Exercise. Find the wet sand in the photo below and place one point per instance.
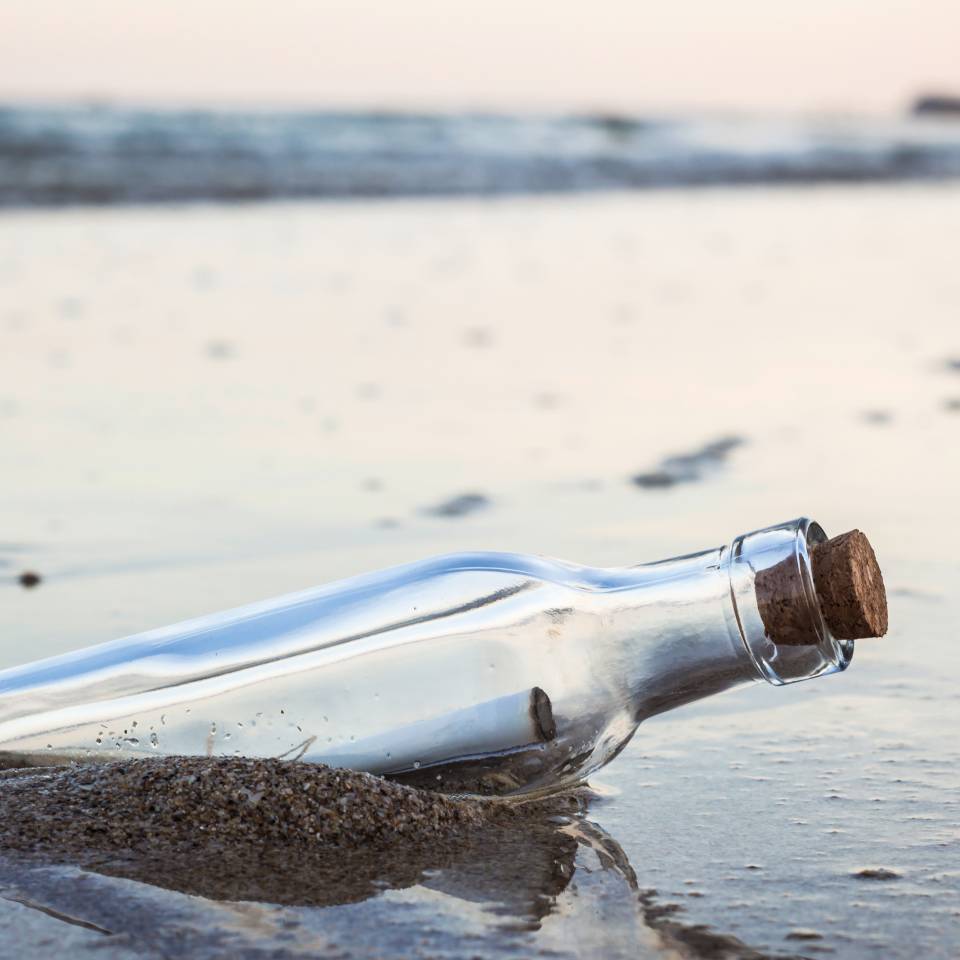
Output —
(242, 829)
(305, 836)
(204, 407)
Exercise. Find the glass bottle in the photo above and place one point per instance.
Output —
(473, 673)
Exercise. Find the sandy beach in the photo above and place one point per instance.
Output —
(203, 406)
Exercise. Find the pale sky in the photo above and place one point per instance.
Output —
(500, 54)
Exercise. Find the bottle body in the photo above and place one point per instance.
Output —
(474, 673)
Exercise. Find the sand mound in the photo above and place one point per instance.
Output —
(176, 802)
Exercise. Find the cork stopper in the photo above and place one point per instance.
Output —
(849, 589)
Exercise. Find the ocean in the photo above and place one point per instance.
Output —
(102, 154)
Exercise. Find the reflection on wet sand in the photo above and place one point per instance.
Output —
(551, 879)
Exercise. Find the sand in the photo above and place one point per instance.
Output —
(274, 831)
(178, 803)
(151, 473)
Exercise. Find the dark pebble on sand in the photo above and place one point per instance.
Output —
(459, 506)
(655, 479)
(876, 873)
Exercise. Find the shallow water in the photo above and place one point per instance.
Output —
(201, 407)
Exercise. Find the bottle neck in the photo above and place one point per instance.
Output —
(699, 625)
(775, 600)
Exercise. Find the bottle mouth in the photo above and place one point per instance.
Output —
(776, 607)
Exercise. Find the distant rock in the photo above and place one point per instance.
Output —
(937, 104)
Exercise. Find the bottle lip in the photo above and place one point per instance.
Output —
(812, 650)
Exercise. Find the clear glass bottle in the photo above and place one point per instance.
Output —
(472, 673)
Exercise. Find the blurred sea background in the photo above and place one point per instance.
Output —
(102, 154)
(245, 349)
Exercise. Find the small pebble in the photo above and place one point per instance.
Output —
(876, 873)
(459, 506)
